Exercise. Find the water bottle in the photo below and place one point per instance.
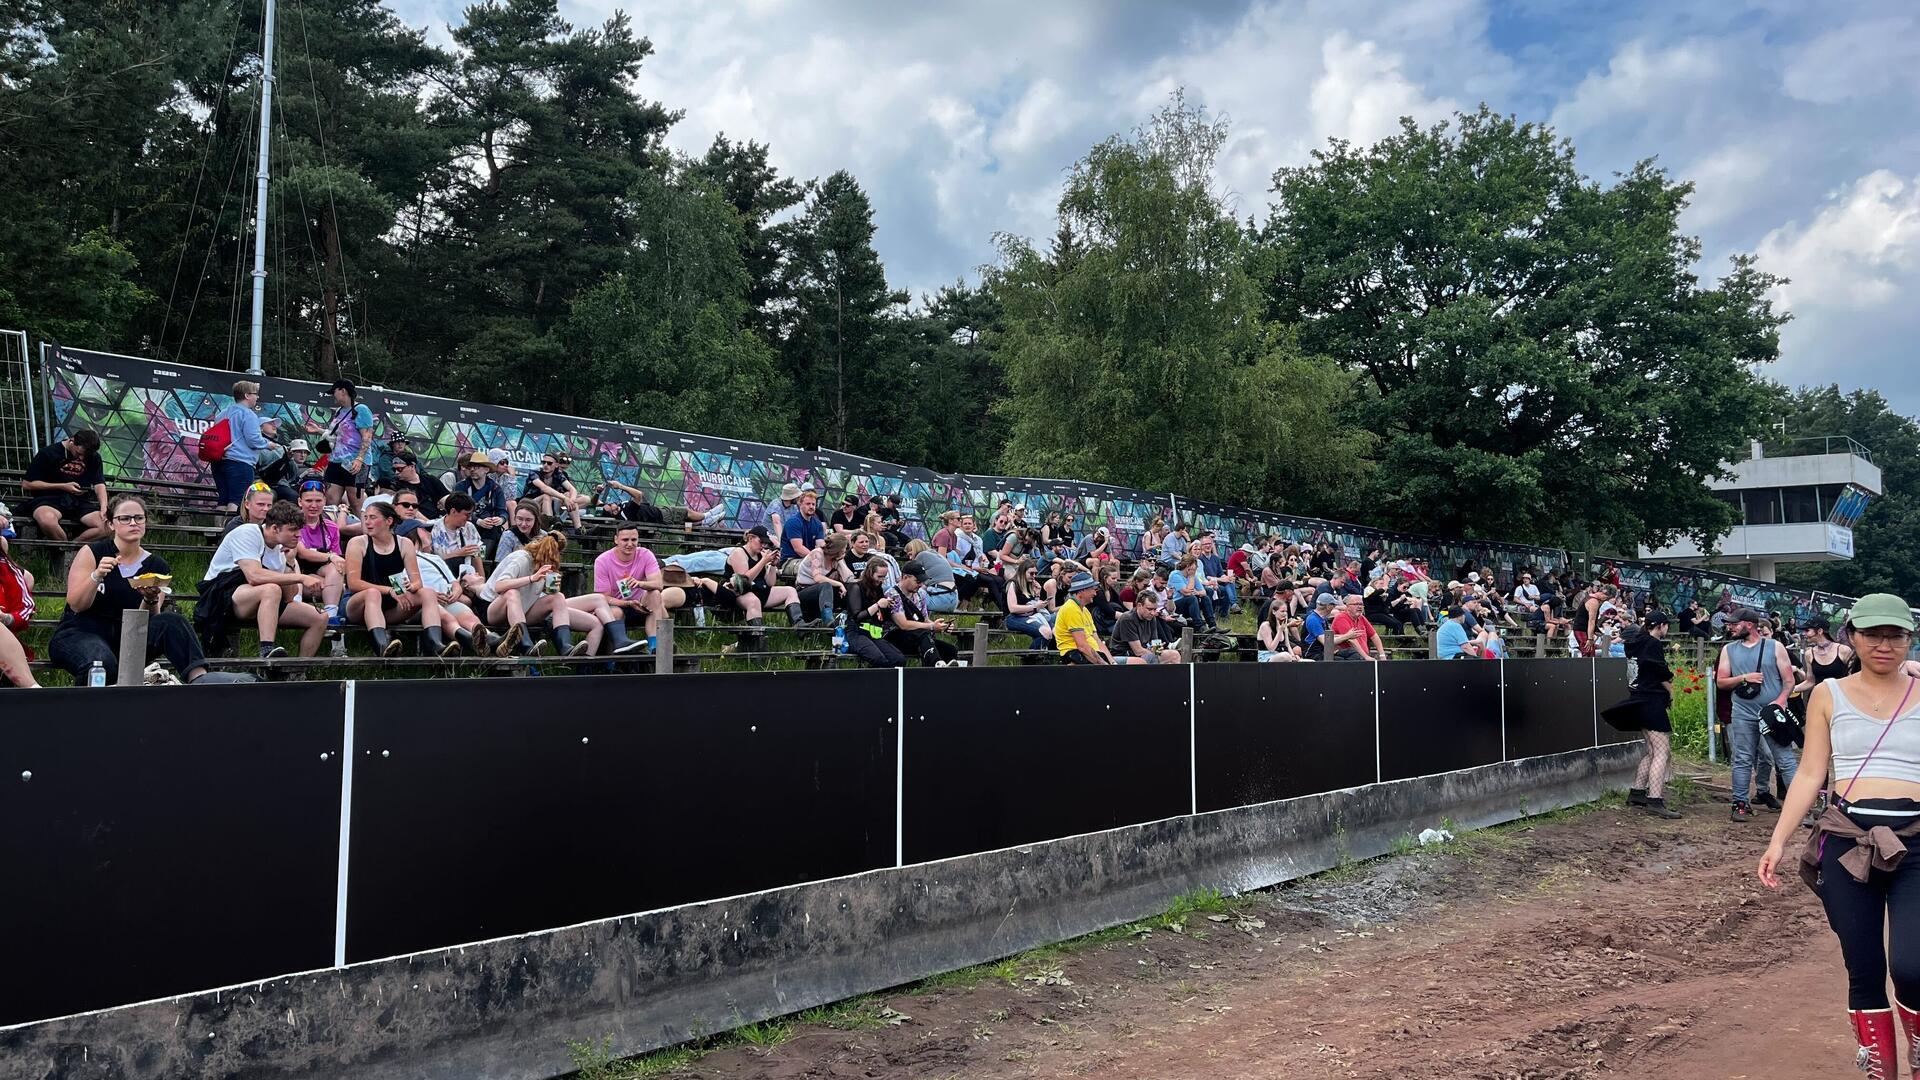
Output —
(97, 674)
(840, 635)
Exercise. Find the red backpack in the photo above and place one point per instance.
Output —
(16, 599)
(215, 440)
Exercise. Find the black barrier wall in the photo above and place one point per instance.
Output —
(155, 840)
(158, 841)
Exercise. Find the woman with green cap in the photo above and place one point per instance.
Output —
(1868, 726)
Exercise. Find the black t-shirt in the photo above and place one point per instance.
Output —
(842, 519)
(429, 491)
(634, 510)
(52, 466)
(1130, 627)
(1650, 670)
(889, 514)
(118, 596)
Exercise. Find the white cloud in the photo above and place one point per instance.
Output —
(1859, 60)
(1361, 94)
(1857, 253)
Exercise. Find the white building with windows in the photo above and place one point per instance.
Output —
(1794, 507)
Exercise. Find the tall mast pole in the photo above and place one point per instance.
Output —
(260, 195)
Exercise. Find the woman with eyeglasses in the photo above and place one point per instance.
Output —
(320, 549)
(523, 525)
(1027, 605)
(109, 578)
(250, 435)
(1860, 858)
(383, 575)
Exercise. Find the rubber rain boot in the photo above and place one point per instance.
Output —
(1873, 1030)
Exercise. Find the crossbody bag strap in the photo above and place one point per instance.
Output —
(1892, 720)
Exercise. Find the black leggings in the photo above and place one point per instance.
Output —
(1888, 903)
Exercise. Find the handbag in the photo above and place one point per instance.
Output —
(215, 441)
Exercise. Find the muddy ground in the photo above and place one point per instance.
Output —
(1587, 944)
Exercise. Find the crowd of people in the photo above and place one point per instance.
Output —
(354, 531)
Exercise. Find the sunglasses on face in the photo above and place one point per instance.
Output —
(408, 505)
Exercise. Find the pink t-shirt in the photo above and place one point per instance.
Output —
(609, 568)
(322, 537)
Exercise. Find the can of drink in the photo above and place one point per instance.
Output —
(625, 587)
(399, 581)
(553, 582)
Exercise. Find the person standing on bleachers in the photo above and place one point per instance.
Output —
(109, 578)
(351, 431)
(250, 435)
(65, 483)
(489, 498)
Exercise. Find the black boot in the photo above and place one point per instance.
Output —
(755, 639)
(796, 615)
(562, 636)
(437, 643)
(465, 638)
(620, 644)
(1658, 808)
(384, 643)
(1636, 796)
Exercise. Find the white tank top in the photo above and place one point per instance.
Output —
(1854, 734)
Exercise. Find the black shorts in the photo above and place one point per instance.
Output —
(338, 476)
(72, 507)
(1076, 657)
(729, 597)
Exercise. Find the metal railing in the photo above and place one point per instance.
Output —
(1828, 444)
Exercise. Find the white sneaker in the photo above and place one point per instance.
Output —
(939, 663)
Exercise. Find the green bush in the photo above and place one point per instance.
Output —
(1692, 703)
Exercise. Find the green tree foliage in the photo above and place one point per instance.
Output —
(551, 140)
(1886, 543)
(840, 350)
(664, 339)
(955, 383)
(1134, 349)
(759, 195)
(1544, 361)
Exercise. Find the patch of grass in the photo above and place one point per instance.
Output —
(1683, 789)
(1006, 971)
(766, 1034)
(1405, 844)
(1200, 901)
(595, 1061)
(854, 1014)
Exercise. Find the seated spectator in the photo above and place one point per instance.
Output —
(850, 517)
(753, 583)
(489, 500)
(1526, 595)
(1454, 639)
(413, 523)
(285, 472)
(1153, 539)
(1026, 607)
(802, 531)
(1142, 635)
(629, 578)
(408, 476)
(822, 579)
(869, 618)
(248, 578)
(1354, 638)
(65, 484)
(1406, 608)
(16, 613)
(1190, 599)
(320, 551)
(552, 490)
(456, 539)
(1279, 637)
(893, 522)
(457, 617)
(386, 456)
(1174, 547)
(637, 507)
(1095, 548)
(943, 537)
(383, 578)
(938, 577)
(1074, 633)
(1376, 601)
(523, 525)
(500, 468)
(914, 631)
(109, 578)
(1107, 604)
(254, 504)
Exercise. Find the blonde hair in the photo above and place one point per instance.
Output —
(244, 387)
(915, 547)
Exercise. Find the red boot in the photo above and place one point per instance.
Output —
(1910, 1032)
(1873, 1029)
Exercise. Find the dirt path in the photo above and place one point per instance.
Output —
(1600, 944)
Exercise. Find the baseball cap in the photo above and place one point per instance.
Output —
(404, 458)
(849, 497)
(497, 457)
(1325, 599)
(1881, 609)
(1656, 617)
(761, 532)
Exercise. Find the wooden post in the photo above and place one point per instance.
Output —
(663, 648)
(1186, 644)
(1433, 643)
(980, 631)
(133, 647)
(1539, 644)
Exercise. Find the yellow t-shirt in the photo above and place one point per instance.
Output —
(1073, 617)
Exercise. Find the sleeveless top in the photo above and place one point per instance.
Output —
(380, 568)
(1580, 612)
(1854, 734)
(1762, 656)
(1838, 669)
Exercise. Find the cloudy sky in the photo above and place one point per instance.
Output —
(1795, 120)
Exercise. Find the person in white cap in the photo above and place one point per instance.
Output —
(285, 473)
